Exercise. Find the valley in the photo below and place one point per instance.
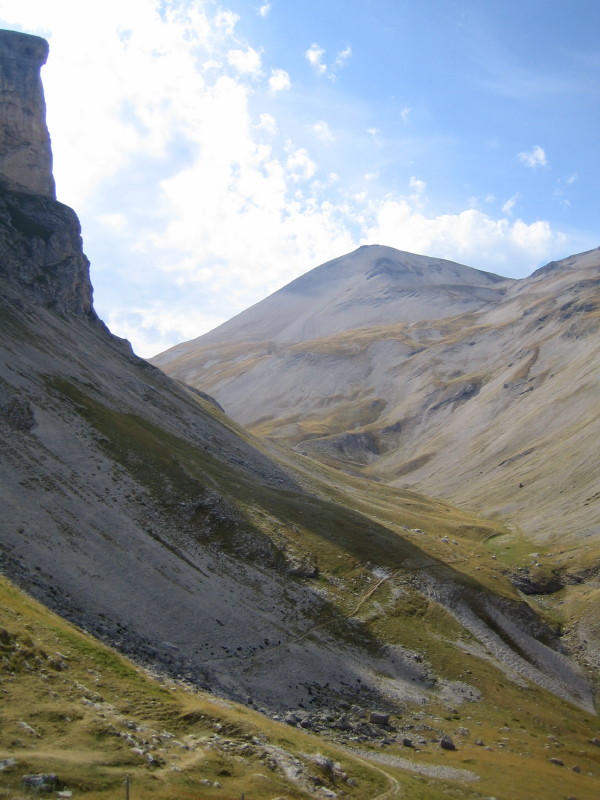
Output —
(301, 563)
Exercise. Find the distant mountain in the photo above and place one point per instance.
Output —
(489, 400)
(354, 291)
(400, 366)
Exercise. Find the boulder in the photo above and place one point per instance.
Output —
(379, 718)
(446, 743)
(43, 782)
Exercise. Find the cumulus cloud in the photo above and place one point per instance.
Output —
(300, 165)
(417, 185)
(246, 62)
(314, 56)
(315, 53)
(470, 237)
(190, 211)
(323, 132)
(279, 81)
(536, 157)
(268, 123)
(263, 10)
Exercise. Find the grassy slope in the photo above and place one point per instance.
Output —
(89, 707)
(83, 700)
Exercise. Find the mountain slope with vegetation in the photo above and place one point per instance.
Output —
(136, 509)
(494, 409)
(291, 628)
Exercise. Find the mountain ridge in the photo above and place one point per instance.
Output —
(327, 298)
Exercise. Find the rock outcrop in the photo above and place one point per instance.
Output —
(25, 154)
(41, 252)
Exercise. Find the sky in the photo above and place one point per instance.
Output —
(214, 151)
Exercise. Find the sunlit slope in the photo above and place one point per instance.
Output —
(77, 710)
(73, 709)
(355, 290)
(496, 408)
(136, 509)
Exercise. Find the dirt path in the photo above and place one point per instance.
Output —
(394, 789)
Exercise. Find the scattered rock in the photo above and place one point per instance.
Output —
(27, 728)
(343, 722)
(407, 742)
(446, 743)
(44, 782)
(379, 718)
(557, 761)
(536, 584)
(480, 742)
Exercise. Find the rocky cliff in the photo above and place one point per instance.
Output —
(41, 252)
(25, 154)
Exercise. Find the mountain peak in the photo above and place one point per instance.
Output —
(359, 289)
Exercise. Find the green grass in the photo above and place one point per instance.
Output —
(80, 742)
(82, 699)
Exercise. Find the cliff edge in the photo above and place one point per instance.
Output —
(41, 252)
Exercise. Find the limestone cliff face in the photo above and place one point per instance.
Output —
(41, 252)
(40, 244)
(25, 154)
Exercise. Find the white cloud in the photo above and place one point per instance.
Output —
(226, 20)
(155, 327)
(572, 178)
(510, 204)
(534, 158)
(470, 236)
(279, 81)
(268, 123)
(323, 132)
(117, 222)
(264, 9)
(342, 57)
(405, 114)
(183, 194)
(314, 56)
(300, 165)
(246, 62)
(417, 185)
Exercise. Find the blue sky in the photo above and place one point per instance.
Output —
(215, 151)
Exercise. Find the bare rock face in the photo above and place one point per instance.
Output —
(41, 253)
(25, 154)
